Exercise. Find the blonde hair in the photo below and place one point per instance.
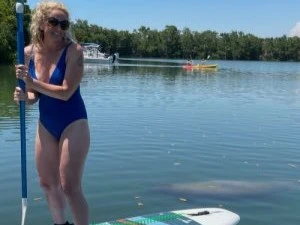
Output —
(39, 16)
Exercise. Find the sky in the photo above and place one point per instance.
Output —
(262, 18)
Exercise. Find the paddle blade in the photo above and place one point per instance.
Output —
(24, 210)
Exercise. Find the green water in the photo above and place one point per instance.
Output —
(154, 125)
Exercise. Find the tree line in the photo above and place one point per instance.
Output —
(167, 43)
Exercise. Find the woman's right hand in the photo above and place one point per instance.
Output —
(19, 95)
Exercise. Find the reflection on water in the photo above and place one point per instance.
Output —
(93, 68)
(153, 68)
(154, 125)
(7, 86)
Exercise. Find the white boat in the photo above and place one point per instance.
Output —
(92, 54)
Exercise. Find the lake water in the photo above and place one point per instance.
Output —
(155, 124)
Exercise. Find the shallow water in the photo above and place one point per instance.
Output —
(155, 124)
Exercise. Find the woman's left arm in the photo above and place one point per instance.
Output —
(72, 79)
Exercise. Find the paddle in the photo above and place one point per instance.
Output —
(20, 53)
(204, 60)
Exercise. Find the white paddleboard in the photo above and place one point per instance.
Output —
(197, 216)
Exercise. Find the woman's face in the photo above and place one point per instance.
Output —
(56, 25)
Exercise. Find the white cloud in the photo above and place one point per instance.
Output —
(295, 31)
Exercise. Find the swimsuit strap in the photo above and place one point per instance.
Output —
(31, 63)
(63, 55)
(66, 48)
(31, 52)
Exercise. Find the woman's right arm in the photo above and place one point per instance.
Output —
(31, 96)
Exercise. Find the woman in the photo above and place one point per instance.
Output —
(52, 72)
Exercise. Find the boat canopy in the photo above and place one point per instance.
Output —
(90, 45)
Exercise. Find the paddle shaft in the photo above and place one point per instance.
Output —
(20, 54)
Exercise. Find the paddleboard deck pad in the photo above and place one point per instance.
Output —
(198, 216)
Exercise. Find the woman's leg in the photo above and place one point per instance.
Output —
(74, 145)
(47, 158)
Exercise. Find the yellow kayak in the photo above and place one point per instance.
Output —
(201, 66)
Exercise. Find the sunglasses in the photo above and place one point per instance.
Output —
(64, 24)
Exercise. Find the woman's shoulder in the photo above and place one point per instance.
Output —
(28, 50)
(74, 52)
(28, 53)
(73, 46)
(74, 49)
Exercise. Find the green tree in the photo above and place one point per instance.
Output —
(125, 43)
(168, 43)
(187, 44)
(8, 23)
(171, 42)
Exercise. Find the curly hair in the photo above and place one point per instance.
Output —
(40, 14)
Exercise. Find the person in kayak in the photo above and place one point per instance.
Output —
(189, 62)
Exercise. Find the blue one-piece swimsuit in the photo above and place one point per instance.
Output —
(56, 114)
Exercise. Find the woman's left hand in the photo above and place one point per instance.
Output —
(22, 73)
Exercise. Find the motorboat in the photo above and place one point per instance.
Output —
(92, 54)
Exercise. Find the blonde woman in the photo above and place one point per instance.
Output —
(52, 72)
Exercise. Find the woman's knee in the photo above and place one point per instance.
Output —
(70, 188)
(48, 186)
